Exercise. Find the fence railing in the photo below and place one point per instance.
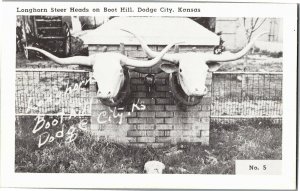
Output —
(246, 95)
(50, 91)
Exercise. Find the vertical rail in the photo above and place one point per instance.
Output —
(257, 95)
(46, 86)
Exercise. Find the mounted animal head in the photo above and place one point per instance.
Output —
(107, 68)
(192, 67)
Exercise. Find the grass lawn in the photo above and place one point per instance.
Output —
(228, 142)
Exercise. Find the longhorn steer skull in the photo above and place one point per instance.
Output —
(192, 67)
(107, 68)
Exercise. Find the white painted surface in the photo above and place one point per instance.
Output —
(155, 30)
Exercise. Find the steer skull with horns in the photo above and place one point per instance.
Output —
(188, 71)
(108, 69)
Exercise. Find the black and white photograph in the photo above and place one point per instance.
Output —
(147, 94)
(151, 90)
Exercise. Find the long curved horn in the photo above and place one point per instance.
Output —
(168, 57)
(75, 60)
(149, 63)
(233, 56)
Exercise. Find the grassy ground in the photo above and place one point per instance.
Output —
(228, 142)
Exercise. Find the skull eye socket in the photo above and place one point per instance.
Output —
(180, 70)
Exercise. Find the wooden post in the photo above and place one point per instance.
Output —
(35, 27)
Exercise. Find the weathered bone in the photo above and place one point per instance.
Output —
(87, 60)
(233, 56)
(191, 67)
(75, 60)
(148, 63)
(207, 57)
(169, 57)
(111, 78)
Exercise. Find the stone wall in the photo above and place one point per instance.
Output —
(151, 117)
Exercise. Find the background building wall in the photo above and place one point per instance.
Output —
(234, 31)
